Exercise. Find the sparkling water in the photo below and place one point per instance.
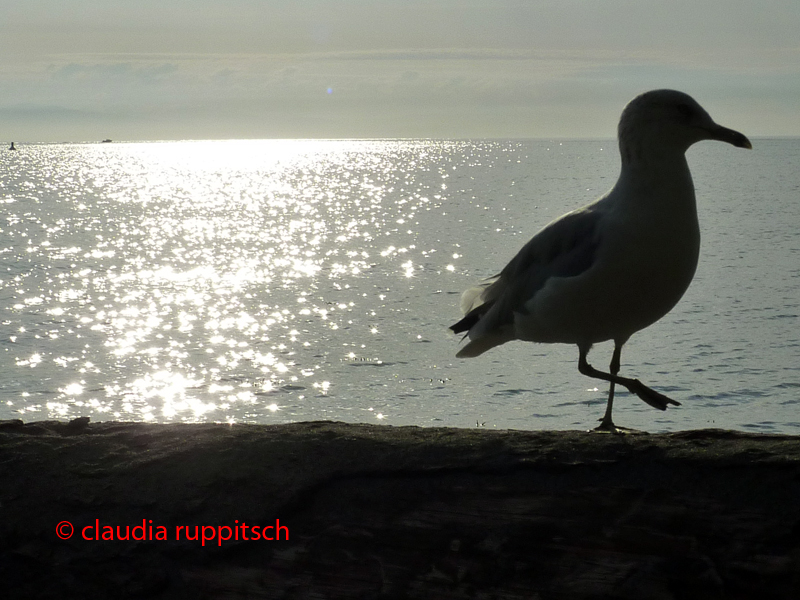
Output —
(278, 281)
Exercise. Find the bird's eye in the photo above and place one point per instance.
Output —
(685, 110)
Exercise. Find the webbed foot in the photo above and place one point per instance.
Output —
(607, 426)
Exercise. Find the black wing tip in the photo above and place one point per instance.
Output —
(464, 324)
(471, 318)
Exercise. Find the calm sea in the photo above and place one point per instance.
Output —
(280, 281)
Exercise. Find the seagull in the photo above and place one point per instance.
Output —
(615, 266)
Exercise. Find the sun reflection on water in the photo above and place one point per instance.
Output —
(200, 280)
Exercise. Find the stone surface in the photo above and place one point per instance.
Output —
(397, 512)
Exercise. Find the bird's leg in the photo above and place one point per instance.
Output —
(606, 424)
(652, 397)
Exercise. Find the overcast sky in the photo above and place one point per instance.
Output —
(74, 70)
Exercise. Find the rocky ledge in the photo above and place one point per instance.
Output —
(131, 510)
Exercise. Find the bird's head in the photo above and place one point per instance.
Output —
(661, 121)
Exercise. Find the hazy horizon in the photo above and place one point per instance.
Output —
(83, 70)
(21, 143)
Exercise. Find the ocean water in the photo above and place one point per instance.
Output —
(280, 281)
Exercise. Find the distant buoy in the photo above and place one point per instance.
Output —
(12, 146)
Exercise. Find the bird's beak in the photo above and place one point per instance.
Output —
(723, 134)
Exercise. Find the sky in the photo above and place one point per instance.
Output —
(86, 70)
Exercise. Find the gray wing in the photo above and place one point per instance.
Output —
(565, 248)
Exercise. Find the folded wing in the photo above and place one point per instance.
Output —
(565, 248)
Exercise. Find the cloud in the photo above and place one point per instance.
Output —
(373, 94)
(104, 71)
(50, 113)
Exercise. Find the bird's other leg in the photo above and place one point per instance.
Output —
(652, 397)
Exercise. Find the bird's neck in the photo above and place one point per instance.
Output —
(644, 152)
(665, 170)
(662, 182)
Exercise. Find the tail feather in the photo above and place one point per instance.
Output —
(476, 302)
(482, 344)
(472, 298)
